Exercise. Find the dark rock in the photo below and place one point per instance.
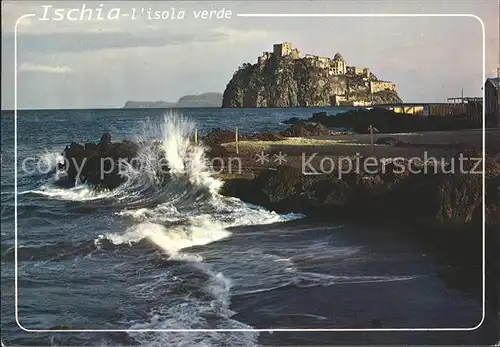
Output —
(320, 114)
(215, 138)
(98, 164)
(74, 154)
(428, 200)
(321, 118)
(217, 151)
(266, 136)
(105, 141)
(306, 129)
(388, 121)
(218, 136)
(292, 120)
(126, 149)
(91, 147)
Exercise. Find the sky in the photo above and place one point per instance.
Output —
(102, 63)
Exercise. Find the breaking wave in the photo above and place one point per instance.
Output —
(211, 313)
(189, 189)
(195, 232)
(80, 192)
(172, 212)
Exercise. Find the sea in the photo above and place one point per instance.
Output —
(182, 265)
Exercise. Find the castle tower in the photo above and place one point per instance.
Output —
(282, 49)
(339, 65)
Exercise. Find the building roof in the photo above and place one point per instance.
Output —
(494, 81)
(338, 56)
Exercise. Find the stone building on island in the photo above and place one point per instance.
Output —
(377, 86)
(360, 71)
(333, 67)
(284, 49)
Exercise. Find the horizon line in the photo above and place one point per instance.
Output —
(231, 108)
(220, 107)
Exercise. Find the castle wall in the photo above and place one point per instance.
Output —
(361, 103)
(295, 53)
(286, 49)
(377, 86)
(361, 71)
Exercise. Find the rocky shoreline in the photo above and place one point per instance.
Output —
(388, 121)
(442, 210)
(437, 200)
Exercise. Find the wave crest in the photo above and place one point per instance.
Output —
(172, 240)
(184, 158)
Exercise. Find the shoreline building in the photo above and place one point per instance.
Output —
(492, 101)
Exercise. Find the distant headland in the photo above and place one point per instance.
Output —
(200, 100)
(283, 78)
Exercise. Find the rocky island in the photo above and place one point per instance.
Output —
(200, 100)
(283, 78)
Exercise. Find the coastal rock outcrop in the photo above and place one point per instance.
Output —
(442, 201)
(306, 129)
(387, 121)
(284, 79)
(427, 199)
(97, 164)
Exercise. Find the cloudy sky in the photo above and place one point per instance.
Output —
(103, 63)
